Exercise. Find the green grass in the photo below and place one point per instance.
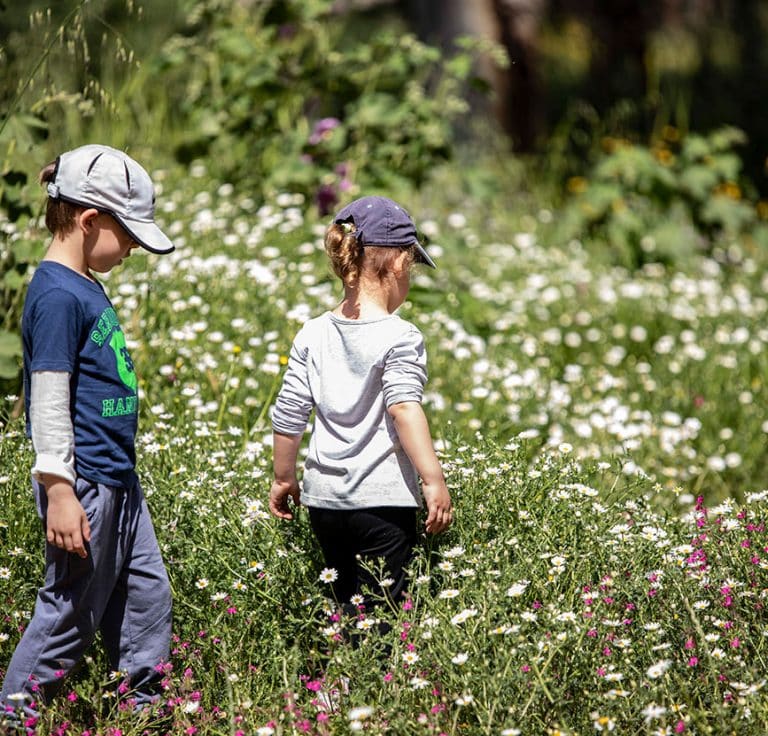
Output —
(579, 409)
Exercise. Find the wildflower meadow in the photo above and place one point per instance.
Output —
(603, 434)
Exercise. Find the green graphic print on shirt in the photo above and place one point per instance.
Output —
(108, 332)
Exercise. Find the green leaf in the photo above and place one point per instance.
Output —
(732, 215)
(699, 181)
(13, 280)
(10, 354)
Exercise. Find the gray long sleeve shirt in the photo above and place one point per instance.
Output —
(350, 372)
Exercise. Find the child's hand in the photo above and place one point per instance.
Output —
(440, 511)
(278, 497)
(66, 522)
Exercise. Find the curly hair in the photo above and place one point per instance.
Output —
(344, 251)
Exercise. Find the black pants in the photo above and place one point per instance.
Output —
(374, 535)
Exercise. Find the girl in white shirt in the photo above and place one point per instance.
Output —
(362, 369)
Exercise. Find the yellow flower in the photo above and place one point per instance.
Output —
(729, 189)
(663, 156)
(670, 133)
(576, 184)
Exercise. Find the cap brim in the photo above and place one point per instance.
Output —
(148, 235)
(424, 256)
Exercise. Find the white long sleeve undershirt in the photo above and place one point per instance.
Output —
(53, 437)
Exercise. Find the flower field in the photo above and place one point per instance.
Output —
(603, 434)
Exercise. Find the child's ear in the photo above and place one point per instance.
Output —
(403, 260)
(86, 219)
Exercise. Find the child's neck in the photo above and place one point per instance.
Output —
(366, 300)
(68, 251)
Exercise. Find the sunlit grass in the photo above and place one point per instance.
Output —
(580, 412)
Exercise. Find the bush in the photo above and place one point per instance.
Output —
(16, 254)
(666, 203)
(288, 96)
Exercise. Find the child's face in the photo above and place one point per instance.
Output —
(110, 244)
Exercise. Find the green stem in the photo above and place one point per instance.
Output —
(17, 99)
(713, 667)
(267, 404)
(540, 679)
(225, 394)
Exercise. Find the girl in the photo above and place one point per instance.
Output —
(362, 369)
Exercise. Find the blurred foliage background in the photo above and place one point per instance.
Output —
(556, 80)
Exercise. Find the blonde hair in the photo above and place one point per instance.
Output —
(59, 214)
(349, 259)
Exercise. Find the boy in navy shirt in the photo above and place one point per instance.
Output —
(104, 570)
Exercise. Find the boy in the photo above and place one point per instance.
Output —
(104, 571)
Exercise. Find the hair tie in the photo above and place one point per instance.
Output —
(53, 190)
(348, 227)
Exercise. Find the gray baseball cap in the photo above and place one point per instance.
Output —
(380, 221)
(112, 182)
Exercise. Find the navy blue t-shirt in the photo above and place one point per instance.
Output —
(69, 325)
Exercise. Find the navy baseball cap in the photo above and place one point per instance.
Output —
(380, 221)
(111, 181)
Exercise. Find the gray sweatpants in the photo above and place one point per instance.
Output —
(120, 589)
